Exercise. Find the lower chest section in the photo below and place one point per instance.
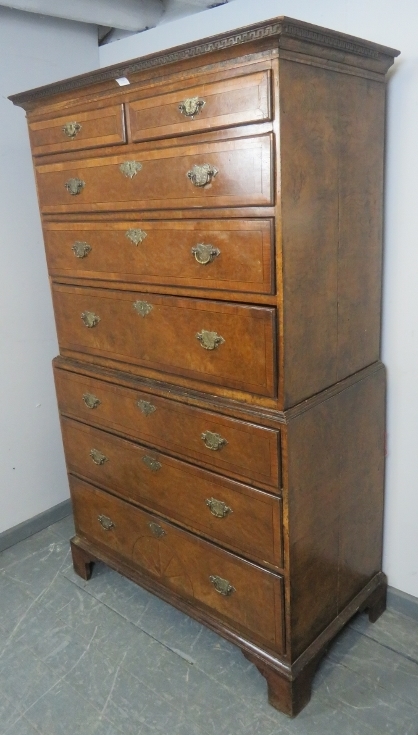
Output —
(244, 596)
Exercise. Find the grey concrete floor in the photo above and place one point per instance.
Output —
(105, 657)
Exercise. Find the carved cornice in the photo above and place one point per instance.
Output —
(275, 28)
(323, 39)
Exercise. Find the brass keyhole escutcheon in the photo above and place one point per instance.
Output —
(136, 236)
(156, 530)
(143, 307)
(146, 408)
(130, 168)
(153, 464)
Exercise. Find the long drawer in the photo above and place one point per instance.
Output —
(220, 104)
(211, 341)
(235, 255)
(235, 448)
(221, 173)
(247, 597)
(77, 130)
(244, 519)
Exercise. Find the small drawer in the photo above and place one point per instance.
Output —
(241, 518)
(236, 101)
(220, 173)
(78, 130)
(235, 448)
(247, 597)
(211, 341)
(226, 255)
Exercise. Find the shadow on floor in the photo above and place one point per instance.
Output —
(105, 657)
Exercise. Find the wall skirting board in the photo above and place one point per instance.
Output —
(402, 602)
(23, 530)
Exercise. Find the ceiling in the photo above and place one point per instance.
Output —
(116, 19)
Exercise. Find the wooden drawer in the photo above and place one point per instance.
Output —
(161, 333)
(91, 129)
(242, 176)
(234, 448)
(246, 520)
(184, 563)
(237, 255)
(236, 101)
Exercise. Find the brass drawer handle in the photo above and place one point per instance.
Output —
(191, 106)
(90, 400)
(218, 508)
(222, 585)
(130, 168)
(205, 254)
(106, 523)
(213, 441)
(74, 186)
(156, 530)
(136, 236)
(202, 175)
(209, 340)
(81, 249)
(98, 457)
(146, 408)
(153, 464)
(71, 129)
(90, 319)
(142, 307)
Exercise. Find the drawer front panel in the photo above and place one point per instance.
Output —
(229, 446)
(217, 254)
(78, 130)
(221, 104)
(184, 563)
(236, 172)
(207, 340)
(236, 515)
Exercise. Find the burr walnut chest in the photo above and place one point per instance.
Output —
(213, 238)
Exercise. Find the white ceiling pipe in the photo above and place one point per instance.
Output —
(203, 4)
(198, 3)
(130, 15)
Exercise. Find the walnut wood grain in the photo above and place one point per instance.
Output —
(105, 126)
(331, 206)
(244, 263)
(293, 122)
(244, 177)
(183, 562)
(251, 452)
(165, 339)
(333, 494)
(179, 491)
(235, 101)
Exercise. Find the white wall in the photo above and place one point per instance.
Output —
(383, 22)
(34, 50)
